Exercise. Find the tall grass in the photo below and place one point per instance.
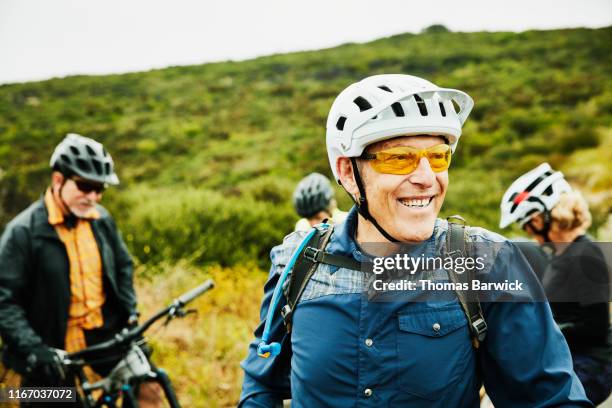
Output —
(202, 352)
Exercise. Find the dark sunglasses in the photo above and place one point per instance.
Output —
(88, 186)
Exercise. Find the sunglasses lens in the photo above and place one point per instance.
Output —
(404, 160)
(439, 157)
(87, 187)
(399, 160)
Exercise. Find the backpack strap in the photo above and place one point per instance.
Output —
(320, 256)
(306, 264)
(456, 238)
(304, 267)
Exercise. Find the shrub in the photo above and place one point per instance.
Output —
(202, 226)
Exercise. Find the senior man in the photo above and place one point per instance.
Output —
(390, 139)
(65, 273)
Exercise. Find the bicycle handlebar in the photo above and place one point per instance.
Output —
(195, 292)
(125, 337)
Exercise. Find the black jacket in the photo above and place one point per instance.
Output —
(578, 287)
(35, 282)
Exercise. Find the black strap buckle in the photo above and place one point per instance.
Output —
(312, 254)
(479, 327)
(286, 313)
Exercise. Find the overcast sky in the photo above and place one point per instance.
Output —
(50, 38)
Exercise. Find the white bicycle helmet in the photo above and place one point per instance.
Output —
(381, 107)
(536, 191)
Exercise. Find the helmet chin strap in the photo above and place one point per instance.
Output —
(362, 204)
(543, 232)
(64, 204)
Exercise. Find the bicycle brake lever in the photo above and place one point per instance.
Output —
(169, 318)
(60, 359)
(182, 312)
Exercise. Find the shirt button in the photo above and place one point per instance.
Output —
(369, 342)
(436, 327)
(367, 392)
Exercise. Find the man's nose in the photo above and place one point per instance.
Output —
(423, 174)
(93, 195)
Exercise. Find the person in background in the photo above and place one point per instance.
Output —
(314, 200)
(576, 280)
(65, 272)
(537, 257)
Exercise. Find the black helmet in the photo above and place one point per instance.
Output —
(312, 194)
(84, 157)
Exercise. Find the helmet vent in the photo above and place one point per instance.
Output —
(531, 186)
(340, 123)
(363, 104)
(456, 106)
(442, 110)
(107, 169)
(535, 183)
(83, 165)
(421, 104)
(385, 88)
(74, 150)
(548, 191)
(538, 180)
(397, 109)
(90, 150)
(104, 152)
(65, 158)
(97, 165)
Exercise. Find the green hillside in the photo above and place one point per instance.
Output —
(223, 143)
(208, 156)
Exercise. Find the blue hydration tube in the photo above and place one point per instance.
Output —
(265, 349)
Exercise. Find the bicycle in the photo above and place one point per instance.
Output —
(134, 368)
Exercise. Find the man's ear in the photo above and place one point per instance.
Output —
(344, 169)
(57, 178)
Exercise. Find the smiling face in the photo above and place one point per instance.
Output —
(406, 206)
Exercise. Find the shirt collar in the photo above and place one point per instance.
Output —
(342, 242)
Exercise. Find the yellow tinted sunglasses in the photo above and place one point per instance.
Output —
(404, 159)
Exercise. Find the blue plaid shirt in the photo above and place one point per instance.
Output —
(346, 351)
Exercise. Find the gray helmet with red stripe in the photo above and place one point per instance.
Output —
(536, 191)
